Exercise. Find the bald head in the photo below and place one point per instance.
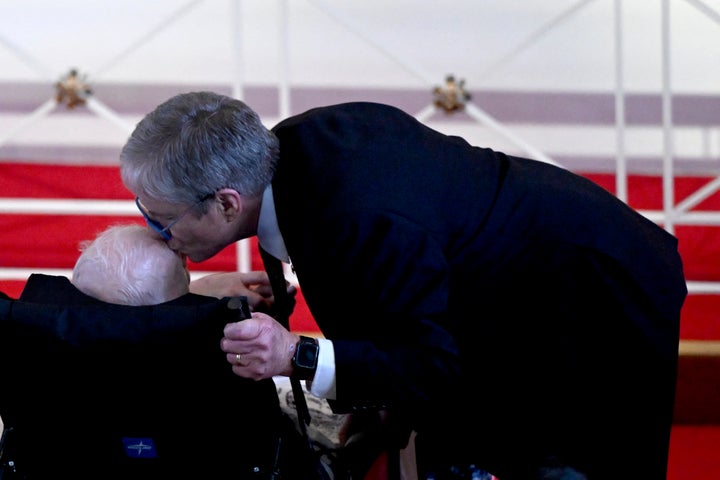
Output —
(130, 265)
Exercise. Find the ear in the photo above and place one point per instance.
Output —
(230, 202)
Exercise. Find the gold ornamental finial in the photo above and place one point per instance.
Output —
(72, 89)
(452, 97)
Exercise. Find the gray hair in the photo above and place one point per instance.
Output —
(130, 265)
(196, 143)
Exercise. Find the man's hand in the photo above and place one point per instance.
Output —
(259, 347)
(254, 285)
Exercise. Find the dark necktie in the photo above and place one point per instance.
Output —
(283, 306)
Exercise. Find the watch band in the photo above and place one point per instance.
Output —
(305, 358)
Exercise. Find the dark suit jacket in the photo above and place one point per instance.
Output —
(439, 268)
(80, 377)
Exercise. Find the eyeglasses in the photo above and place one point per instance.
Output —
(157, 226)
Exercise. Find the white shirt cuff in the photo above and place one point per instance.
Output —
(323, 383)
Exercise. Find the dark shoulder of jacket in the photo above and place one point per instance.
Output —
(373, 110)
(45, 289)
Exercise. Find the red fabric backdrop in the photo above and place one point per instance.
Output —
(51, 241)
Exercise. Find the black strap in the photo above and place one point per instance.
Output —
(284, 303)
(283, 306)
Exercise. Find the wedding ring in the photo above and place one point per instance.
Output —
(238, 359)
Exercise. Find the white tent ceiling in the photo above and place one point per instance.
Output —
(283, 56)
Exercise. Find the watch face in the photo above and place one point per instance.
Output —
(306, 355)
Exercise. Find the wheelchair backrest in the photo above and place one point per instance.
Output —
(106, 391)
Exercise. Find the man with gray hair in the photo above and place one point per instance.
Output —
(430, 264)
